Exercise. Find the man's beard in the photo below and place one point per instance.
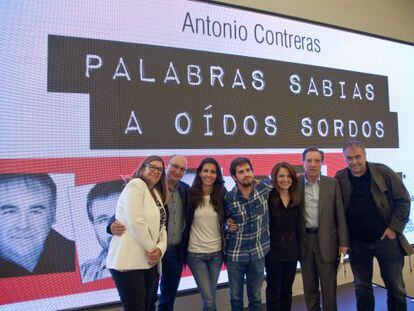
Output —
(246, 182)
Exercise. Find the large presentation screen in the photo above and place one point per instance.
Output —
(90, 88)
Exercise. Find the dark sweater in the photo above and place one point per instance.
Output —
(364, 221)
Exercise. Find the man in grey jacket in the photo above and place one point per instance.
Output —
(323, 232)
(377, 207)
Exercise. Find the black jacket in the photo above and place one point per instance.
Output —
(390, 196)
(189, 217)
(58, 256)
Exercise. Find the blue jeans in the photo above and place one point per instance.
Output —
(172, 267)
(206, 268)
(390, 259)
(254, 272)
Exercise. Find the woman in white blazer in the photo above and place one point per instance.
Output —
(135, 257)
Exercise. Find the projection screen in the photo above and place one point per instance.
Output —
(90, 88)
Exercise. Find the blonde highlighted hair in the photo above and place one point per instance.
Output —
(161, 185)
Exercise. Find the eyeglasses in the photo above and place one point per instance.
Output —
(177, 167)
(154, 168)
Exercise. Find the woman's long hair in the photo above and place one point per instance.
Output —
(293, 192)
(195, 193)
(161, 185)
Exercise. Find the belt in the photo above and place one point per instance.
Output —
(311, 230)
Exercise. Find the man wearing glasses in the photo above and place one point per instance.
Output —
(173, 259)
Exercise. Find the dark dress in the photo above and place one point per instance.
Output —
(282, 259)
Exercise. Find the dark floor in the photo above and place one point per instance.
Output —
(346, 299)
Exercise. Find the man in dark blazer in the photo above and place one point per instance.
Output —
(173, 259)
(28, 243)
(323, 232)
(377, 206)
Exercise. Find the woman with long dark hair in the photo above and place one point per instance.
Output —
(282, 259)
(203, 236)
(133, 257)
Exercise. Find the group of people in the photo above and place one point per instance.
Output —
(257, 226)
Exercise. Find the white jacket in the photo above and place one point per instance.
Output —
(137, 210)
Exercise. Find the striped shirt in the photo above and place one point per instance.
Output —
(251, 240)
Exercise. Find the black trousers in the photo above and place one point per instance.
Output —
(136, 287)
(279, 278)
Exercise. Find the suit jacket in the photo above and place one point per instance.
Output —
(137, 210)
(58, 256)
(390, 196)
(332, 230)
(95, 269)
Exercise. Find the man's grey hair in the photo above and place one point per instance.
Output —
(353, 143)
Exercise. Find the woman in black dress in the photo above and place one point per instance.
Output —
(282, 259)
